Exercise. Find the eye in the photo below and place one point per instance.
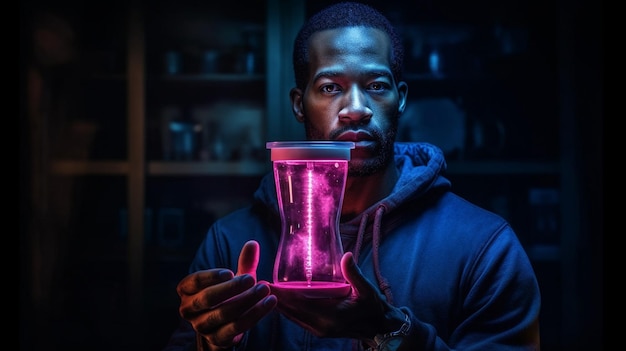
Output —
(377, 86)
(330, 88)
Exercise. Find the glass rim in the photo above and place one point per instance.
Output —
(310, 150)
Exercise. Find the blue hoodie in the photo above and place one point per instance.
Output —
(458, 270)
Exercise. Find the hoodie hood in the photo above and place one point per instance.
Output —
(420, 167)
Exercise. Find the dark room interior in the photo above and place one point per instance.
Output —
(141, 123)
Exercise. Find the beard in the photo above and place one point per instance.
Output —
(382, 150)
(383, 155)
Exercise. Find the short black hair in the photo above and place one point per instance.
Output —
(344, 14)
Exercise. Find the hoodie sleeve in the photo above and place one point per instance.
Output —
(500, 307)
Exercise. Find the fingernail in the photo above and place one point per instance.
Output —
(259, 287)
(247, 278)
(225, 274)
(270, 301)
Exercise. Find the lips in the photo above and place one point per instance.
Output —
(362, 141)
(355, 136)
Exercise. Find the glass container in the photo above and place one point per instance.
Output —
(310, 179)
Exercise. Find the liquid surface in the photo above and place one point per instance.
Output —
(314, 290)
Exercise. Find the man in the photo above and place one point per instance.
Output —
(428, 270)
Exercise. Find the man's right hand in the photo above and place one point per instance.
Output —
(221, 305)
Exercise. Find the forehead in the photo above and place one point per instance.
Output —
(350, 44)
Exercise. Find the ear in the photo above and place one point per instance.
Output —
(296, 103)
(403, 91)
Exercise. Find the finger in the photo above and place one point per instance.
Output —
(249, 258)
(242, 307)
(195, 282)
(237, 314)
(210, 297)
(225, 335)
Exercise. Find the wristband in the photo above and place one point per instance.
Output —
(391, 341)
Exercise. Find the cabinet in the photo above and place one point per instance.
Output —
(107, 234)
(135, 145)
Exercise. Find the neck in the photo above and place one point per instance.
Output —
(363, 192)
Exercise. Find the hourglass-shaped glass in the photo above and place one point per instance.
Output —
(310, 179)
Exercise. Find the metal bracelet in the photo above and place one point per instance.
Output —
(382, 340)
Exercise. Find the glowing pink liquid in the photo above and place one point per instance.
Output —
(314, 290)
(310, 195)
(310, 180)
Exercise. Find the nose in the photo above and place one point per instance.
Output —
(355, 110)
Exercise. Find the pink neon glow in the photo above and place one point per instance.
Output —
(309, 224)
(310, 179)
(310, 194)
(314, 289)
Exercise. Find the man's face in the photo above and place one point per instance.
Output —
(352, 95)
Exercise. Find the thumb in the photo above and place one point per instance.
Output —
(353, 275)
(249, 259)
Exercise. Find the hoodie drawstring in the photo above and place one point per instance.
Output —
(359, 238)
(383, 284)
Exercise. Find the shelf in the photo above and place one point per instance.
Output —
(442, 78)
(71, 167)
(216, 77)
(193, 168)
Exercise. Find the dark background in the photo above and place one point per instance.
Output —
(545, 88)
